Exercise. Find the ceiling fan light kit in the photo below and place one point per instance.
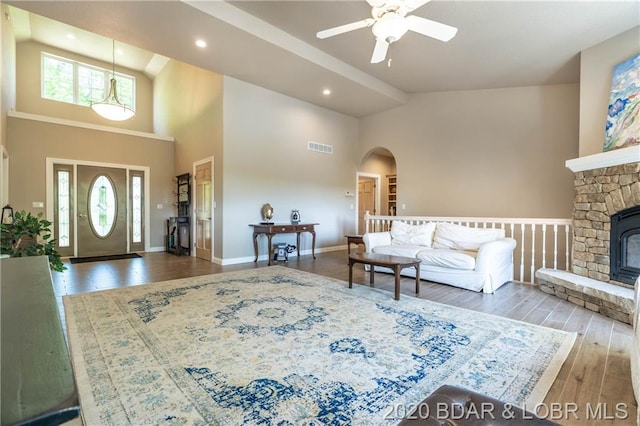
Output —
(390, 27)
(390, 22)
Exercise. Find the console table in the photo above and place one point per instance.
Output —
(353, 239)
(271, 229)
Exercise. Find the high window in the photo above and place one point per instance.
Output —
(69, 81)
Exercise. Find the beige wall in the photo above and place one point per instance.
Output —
(266, 161)
(29, 99)
(7, 94)
(493, 153)
(596, 70)
(7, 72)
(498, 152)
(31, 142)
(188, 106)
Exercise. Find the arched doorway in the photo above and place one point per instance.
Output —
(376, 194)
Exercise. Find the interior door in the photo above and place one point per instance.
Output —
(101, 211)
(366, 200)
(203, 197)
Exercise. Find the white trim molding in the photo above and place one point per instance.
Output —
(49, 197)
(82, 125)
(605, 159)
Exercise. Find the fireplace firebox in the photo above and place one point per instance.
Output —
(625, 245)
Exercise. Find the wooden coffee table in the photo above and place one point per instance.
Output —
(396, 263)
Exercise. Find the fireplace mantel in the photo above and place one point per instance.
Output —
(615, 157)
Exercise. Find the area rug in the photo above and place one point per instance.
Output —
(280, 346)
(103, 258)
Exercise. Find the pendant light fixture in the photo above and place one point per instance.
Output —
(110, 107)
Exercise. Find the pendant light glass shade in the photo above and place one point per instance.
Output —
(110, 107)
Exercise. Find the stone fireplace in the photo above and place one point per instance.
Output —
(601, 194)
(606, 219)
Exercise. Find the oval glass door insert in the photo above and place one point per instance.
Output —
(102, 206)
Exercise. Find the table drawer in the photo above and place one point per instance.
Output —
(284, 228)
(304, 228)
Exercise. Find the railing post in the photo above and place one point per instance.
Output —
(522, 229)
(566, 238)
(533, 250)
(555, 246)
(366, 222)
(544, 247)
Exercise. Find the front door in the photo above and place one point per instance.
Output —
(203, 197)
(101, 211)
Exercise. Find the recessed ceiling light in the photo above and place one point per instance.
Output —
(201, 43)
(326, 92)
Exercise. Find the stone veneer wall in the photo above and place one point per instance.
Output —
(611, 300)
(599, 194)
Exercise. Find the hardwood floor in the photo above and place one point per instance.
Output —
(592, 388)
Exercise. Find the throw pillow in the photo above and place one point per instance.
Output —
(458, 237)
(404, 233)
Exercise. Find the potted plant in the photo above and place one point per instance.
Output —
(30, 235)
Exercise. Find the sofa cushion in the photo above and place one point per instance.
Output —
(447, 258)
(457, 237)
(406, 250)
(405, 233)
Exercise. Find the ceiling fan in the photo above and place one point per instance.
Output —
(390, 22)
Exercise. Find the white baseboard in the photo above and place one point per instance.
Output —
(155, 249)
(262, 257)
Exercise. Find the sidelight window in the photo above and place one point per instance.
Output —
(64, 208)
(136, 209)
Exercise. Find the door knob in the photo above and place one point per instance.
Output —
(82, 215)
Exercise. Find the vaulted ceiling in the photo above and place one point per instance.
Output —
(273, 44)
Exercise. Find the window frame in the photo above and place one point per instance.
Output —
(76, 65)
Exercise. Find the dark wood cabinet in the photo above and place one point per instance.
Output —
(178, 240)
(183, 194)
(179, 235)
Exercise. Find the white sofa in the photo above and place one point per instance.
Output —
(478, 259)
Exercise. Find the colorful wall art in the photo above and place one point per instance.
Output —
(623, 119)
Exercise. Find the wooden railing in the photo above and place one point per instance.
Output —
(541, 243)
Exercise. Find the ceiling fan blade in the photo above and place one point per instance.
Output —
(379, 51)
(411, 5)
(345, 28)
(431, 28)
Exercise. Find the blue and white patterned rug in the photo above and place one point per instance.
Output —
(284, 347)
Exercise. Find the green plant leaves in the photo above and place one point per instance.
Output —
(30, 235)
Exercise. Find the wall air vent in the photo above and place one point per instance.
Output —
(320, 147)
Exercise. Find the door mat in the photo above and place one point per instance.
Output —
(100, 258)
